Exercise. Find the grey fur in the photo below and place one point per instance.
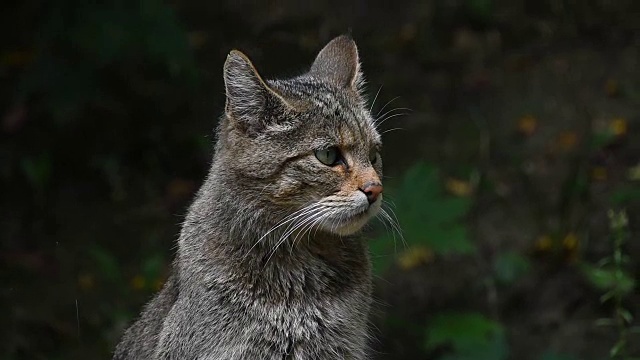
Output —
(269, 262)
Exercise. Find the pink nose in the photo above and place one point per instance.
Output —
(372, 190)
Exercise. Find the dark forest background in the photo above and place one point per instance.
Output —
(512, 159)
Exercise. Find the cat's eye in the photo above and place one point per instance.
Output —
(329, 156)
(373, 156)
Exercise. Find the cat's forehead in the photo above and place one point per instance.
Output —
(309, 89)
(336, 108)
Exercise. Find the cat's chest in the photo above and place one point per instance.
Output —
(305, 303)
(308, 330)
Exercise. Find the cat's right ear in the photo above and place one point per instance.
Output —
(339, 64)
(248, 96)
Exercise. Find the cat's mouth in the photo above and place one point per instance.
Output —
(352, 222)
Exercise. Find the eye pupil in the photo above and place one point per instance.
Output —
(329, 156)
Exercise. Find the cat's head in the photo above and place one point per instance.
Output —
(307, 147)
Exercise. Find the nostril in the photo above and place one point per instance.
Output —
(372, 191)
(371, 197)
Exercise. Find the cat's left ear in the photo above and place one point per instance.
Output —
(339, 64)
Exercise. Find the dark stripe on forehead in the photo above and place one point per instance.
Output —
(351, 116)
(333, 104)
(359, 121)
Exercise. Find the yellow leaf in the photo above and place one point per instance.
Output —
(570, 242)
(634, 173)
(527, 125)
(415, 256)
(138, 282)
(618, 126)
(567, 140)
(599, 173)
(458, 187)
(544, 243)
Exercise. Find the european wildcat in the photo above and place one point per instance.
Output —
(269, 265)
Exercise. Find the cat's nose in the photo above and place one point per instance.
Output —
(372, 190)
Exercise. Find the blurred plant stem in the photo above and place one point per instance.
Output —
(618, 222)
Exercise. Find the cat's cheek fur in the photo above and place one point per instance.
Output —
(290, 191)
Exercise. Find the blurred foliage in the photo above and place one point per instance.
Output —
(105, 76)
(510, 266)
(555, 356)
(611, 275)
(471, 336)
(78, 39)
(625, 194)
(429, 218)
(37, 171)
(86, 145)
(106, 264)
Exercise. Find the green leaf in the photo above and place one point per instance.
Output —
(625, 195)
(480, 9)
(465, 332)
(447, 240)
(106, 263)
(510, 266)
(554, 356)
(601, 139)
(605, 322)
(427, 215)
(626, 315)
(609, 279)
(495, 349)
(447, 210)
(152, 267)
(617, 348)
(37, 171)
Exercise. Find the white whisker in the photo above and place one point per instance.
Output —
(396, 225)
(381, 121)
(303, 227)
(378, 118)
(385, 218)
(285, 236)
(286, 220)
(307, 229)
(388, 200)
(390, 130)
(293, 226)
(375, 98)
(385, 105)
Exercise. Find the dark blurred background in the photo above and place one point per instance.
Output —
(512, 162)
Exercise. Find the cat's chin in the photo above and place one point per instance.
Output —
(352, 224)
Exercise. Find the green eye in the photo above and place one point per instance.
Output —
(328, 156)
(373, 156)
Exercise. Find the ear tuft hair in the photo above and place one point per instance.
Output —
(338, 63)
(247, 94)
